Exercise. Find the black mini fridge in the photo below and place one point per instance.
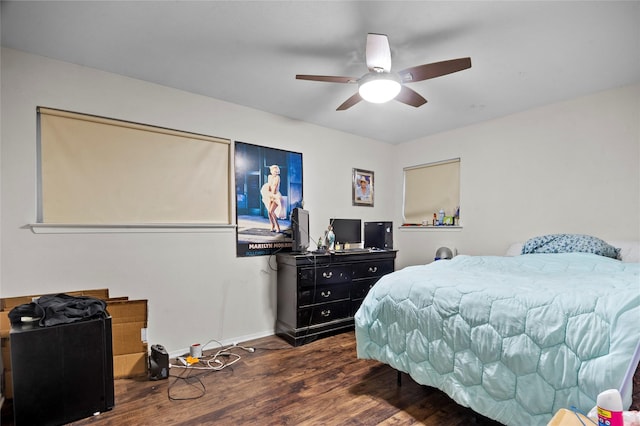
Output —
(61, 373)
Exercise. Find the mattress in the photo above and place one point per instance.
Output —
(513, 338)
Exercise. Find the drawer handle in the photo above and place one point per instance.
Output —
(327, 274)
(373, 269)
(327, 294)
(325, 312)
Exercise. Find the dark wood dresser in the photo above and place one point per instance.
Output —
(318, 294)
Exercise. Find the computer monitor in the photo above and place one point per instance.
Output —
(378, 235)
(347, 231)
(299, 230)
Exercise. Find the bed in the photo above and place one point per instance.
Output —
(515, 338)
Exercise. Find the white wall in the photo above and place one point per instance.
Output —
(196, 287)
(570, 167)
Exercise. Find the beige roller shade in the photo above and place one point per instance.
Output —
(96, 170)
(429, 188)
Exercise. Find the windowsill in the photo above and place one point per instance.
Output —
(432, 228)
(57, 228)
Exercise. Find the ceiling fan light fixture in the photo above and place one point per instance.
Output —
(379, 87)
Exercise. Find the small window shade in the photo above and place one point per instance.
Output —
(96, 170)
(429, 188)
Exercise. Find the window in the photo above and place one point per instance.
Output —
(97, 171)
(429, 188)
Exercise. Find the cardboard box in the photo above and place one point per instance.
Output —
(116, 299)
(566, 417)
(130, 365)
(129, 325)
(5, 324)
(129, 336)
(2, 392)
(127, 311)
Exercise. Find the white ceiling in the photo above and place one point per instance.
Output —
(524, 54)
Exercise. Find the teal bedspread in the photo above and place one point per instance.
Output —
(513, 338)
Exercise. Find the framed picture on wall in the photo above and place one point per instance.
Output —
(268, 187)
(362, 188)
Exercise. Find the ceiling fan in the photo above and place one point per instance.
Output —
(380, 84)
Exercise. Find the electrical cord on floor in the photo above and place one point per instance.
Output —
(195, 368)
(190, 380)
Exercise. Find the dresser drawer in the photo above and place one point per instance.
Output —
(361, 288)
(321, 275)
(372, 269)
(323, 313)
(322, 294)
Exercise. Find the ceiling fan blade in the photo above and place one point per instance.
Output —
(327, 78)
(410, 97)
(378, 53)
(350, 102)
(436, 69)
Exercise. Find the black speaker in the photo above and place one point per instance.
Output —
(378, 235)
(158, 363)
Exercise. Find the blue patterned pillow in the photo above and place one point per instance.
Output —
(568, 243)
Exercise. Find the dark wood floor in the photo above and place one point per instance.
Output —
(321, 383)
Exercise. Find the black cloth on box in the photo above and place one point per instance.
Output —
(53, 309)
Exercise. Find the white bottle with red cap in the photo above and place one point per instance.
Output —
(609, 405)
